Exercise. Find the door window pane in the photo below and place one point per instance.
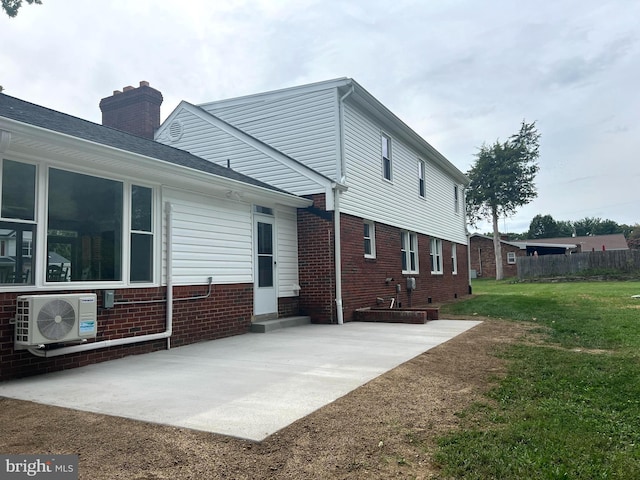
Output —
(265, 254)
(265, 238)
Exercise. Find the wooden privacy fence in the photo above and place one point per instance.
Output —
(619, 261)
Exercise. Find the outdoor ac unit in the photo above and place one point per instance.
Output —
(44, 319)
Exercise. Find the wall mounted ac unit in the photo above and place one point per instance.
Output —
(45, 319)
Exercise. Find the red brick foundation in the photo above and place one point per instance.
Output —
(226, 312)
(364, 279)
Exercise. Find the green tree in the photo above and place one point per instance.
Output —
(633, 238)
(502, 180)
(543, 226)
(565, 228)
(11, 7)
(590, 226)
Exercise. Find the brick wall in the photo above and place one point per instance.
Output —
(226, 312)
(364, 279)
(316, 262)
(288, 306)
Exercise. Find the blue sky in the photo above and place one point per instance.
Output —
(460, 73)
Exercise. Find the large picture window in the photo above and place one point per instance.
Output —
(84, 236)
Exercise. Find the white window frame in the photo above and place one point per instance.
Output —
(40, 239)
(456, 199)
(511, 258)
(128, 201)
(385, 144)
(371, 238)
(454, 259)
(422, 178)
(435, 254)
(409, 250)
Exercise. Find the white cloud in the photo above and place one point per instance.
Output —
(460, 73)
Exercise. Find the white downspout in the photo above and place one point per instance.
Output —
(338, 255)
(169, 275)
(129, 340)
(336, 212)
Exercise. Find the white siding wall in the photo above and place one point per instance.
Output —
(207, 141)
(287, 253)
(211, 238)
(302, 125)
(398, 202)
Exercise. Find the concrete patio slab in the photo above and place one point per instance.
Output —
(248, 386)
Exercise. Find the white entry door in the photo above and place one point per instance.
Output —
(265, 301)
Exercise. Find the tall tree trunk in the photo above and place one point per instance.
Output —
(497, 248)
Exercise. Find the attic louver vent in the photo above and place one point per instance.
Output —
(175, 131)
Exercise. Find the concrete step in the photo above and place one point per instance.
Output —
(263, 326)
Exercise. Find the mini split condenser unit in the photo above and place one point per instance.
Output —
(45, 319)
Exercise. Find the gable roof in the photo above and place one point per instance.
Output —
(52, 120)
(365, 100)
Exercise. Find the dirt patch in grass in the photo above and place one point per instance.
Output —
(384, 429)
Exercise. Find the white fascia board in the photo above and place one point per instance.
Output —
(280, 93)
(152, 164)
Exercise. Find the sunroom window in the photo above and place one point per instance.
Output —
(17, 226)
(141, 261)
(84, 236)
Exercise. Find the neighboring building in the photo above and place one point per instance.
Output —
(387, 205)
(594, 243)
(483, 262)
(483, 258)
(163, 238)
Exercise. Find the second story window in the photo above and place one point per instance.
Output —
(386, 157)
(422, 168)
(456, 199)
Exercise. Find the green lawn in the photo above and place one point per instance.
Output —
(568, 408)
